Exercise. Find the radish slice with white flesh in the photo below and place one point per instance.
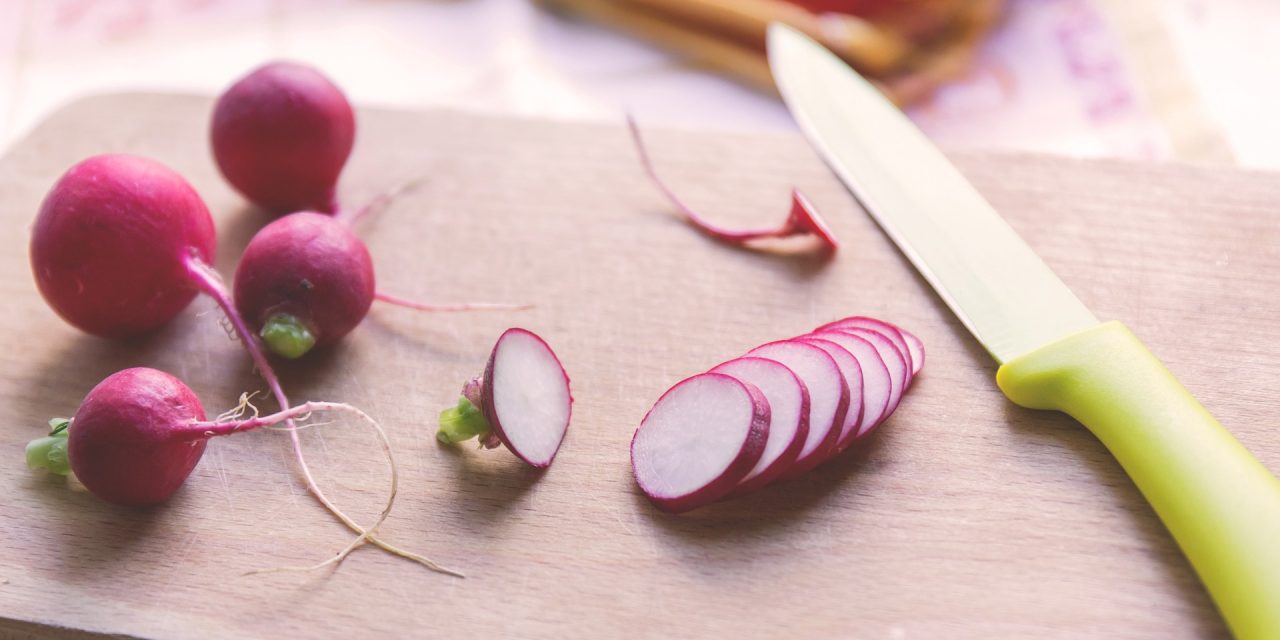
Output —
(916, 347)
(828, 398)
(851, 369)
(788, 416)
(885, 329)
(877, 385)
(892, 358)
(699, 440)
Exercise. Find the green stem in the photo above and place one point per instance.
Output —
(462, 422)
(287, 336)
(50, 452)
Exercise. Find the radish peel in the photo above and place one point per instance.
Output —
(523, 401)
(802, 220)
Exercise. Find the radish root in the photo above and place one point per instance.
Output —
(211, 283)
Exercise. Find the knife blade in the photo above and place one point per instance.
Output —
(1220, 503)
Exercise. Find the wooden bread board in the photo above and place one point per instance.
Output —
(967, 517)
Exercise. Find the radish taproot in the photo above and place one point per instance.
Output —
(281, 136)
(121, 244)
(522, 400)
(828, 397)
(803, 219)
(700, 439)
(788, 416)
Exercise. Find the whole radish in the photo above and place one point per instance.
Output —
(304, 280)
(281, 136)
(138, 434)
(114, 243)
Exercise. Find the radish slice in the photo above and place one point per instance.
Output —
(892, 358)
(877, 385)
(699, 440)
(883, 328)
(916, 347)
(828, 398)
(788, 416)
(526, 396)
(851, 369)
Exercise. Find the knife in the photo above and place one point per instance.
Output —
(1219, 502)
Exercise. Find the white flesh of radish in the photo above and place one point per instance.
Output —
(877, 386)
(530, 396)
(916, 347)
(892, 358)
(890, 332)
(851, 369)
(697, 441)
(788, 411)
(828, 394)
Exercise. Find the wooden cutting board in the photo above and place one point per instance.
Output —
(967, 517)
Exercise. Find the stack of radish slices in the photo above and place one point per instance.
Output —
(780, 410)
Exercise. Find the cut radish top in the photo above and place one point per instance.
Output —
(788, 412)
(851, 369)
(877, 386)
(828, 397)
(699, 440)
(526, 396)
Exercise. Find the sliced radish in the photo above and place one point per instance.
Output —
(851, 369)
(892, 358)
(828, 398)
(788, 416)
(916, 347)
(699, 440)
(877, 385)
(894, 334)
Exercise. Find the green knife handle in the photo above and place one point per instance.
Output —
(1219, 502)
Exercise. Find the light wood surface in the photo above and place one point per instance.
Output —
(966, 518)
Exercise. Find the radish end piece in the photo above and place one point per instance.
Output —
(287, 336)
(527, 398)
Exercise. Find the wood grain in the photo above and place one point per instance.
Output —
(966, 518)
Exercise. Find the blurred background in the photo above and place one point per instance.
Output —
(1190, 80)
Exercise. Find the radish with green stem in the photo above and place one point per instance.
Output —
(306, 280)
(803, 220)
(828, 397)
(788, 417)
(522, 400)
(121, 245)
(698, 442)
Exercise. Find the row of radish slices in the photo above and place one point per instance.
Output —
(780, 410)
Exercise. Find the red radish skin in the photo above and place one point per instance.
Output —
(828, 397)
(877, 386)
(110, 243)
(699, 440)
(526, 396)
(309, 269)
(281, 136)
(788, 417)
(130, 441)
(892, 358)
(851, 369)
(893, 333)
(802, 220)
